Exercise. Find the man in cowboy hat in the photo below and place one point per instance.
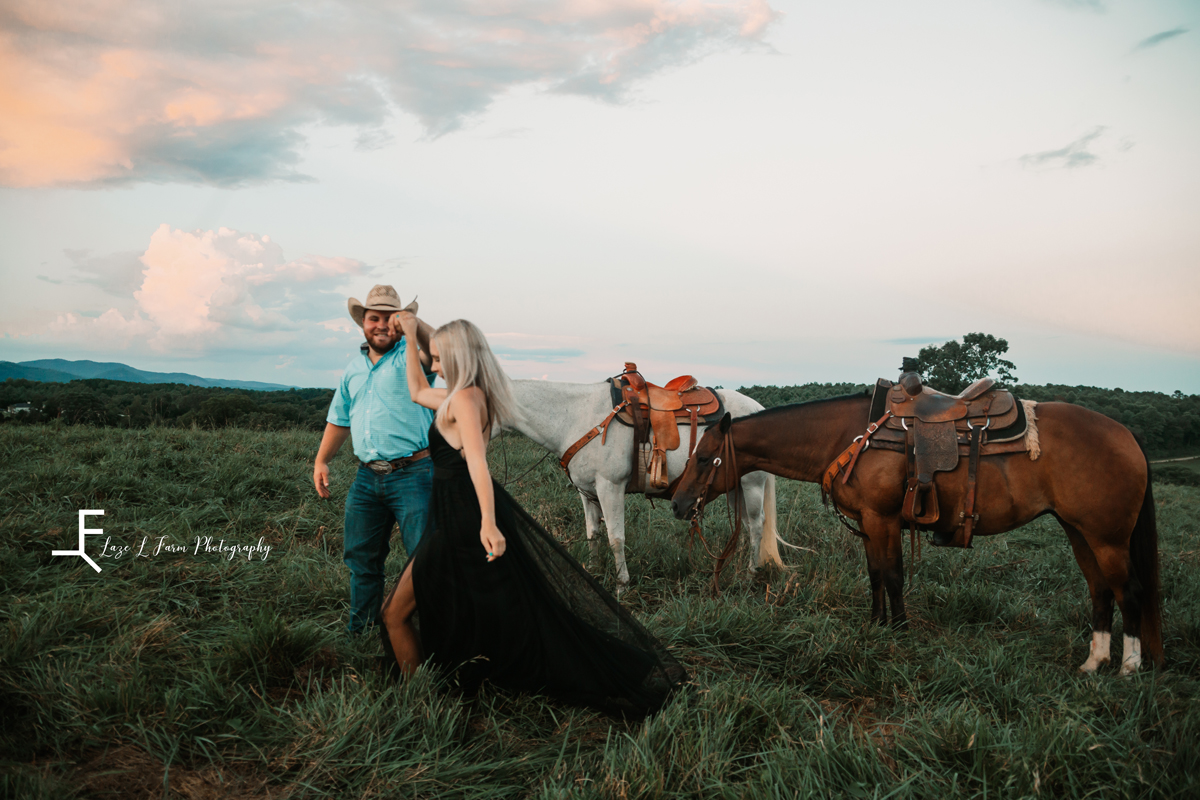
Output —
(391, 441)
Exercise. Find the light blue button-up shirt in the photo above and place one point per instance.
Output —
(374, 403)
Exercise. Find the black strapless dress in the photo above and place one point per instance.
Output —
(533, 620)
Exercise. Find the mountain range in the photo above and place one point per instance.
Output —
(57, 370)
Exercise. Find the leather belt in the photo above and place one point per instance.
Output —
(388, 467)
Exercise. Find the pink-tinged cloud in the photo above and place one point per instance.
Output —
(110, 328)
(205, 290)
(199, 283)
(113, 91)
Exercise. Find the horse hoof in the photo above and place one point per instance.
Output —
(1131, 660)
(1130, 667)
(1098, 653)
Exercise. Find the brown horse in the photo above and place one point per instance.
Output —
(1092, 476)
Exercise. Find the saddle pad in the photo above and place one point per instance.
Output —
(1010, 433)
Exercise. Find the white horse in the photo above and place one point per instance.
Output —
(556, 415)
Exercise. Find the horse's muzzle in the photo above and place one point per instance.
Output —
(685, 512)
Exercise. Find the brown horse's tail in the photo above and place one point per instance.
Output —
(1143, 553)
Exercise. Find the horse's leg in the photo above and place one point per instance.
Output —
(612, 504)
(1110, 577)
(1102, 599)
(885, 567)
(752, 516)
(591, 518)
(1100, 490)
(1118, 573)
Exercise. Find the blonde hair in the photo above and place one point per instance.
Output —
(467, 360)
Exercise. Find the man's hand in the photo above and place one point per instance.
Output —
(321, 479)
(414, 330)
(331, 442)
(403, 322)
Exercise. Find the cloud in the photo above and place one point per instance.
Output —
(118, 273)
(118, 91)
(200, 291)
(345, 325)
(1159, 38)
(918, 340)
(515, 348)
(207, 282)
(546, 355)
(1084, 5)
(111, 328)
(1075, 154)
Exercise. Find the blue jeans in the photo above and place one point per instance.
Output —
(373, 504)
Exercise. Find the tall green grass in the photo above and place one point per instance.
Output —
(190, 675)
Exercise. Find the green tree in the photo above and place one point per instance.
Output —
(953, 366)
(223, 409)
(83, 405)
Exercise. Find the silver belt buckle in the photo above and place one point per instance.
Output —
(380, 467)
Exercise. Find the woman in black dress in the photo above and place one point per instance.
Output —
(496, 597)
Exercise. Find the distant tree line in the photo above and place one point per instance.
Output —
(1167, 424)
(138, 405)
(771, 396)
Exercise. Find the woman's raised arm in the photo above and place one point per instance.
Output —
(418, 387)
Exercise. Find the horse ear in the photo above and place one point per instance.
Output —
(726, 421)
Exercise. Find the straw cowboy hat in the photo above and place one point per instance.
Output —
(380, 298)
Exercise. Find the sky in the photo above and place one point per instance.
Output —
(751, 192)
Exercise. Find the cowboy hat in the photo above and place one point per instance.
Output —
(380, 298)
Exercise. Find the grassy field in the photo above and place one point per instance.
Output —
(193, 675)
(1181, 472)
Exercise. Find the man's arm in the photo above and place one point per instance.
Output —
(331, 442)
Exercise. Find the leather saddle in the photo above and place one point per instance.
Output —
(935, 430)
(655, 413)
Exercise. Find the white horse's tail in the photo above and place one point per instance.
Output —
(768, 548)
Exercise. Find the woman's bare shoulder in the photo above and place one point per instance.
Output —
(470, 397)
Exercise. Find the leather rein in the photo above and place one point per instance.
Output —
(727, 459)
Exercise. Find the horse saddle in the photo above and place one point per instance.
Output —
(655, 412)
(934, 430)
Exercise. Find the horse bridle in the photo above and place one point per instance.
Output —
(727, 458)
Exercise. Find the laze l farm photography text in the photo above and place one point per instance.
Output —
(153, 546)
